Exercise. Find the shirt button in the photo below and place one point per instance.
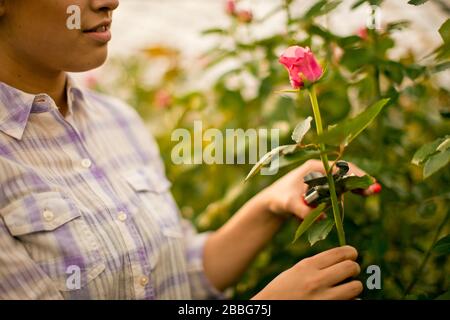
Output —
(48, 215)
(86, 163)
(143, 281)
(122, 216)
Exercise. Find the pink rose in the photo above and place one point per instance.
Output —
(230, 7)
(245, 16)
(301, 64)
(362, 33)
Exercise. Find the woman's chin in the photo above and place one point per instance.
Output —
(88, 62)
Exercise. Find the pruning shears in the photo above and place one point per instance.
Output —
(318, 189)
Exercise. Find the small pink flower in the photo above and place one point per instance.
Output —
(230, 7)
(245, 16)
(301, 64)
(91, 81)
(337, 53)
(362, 33)
(162, 99)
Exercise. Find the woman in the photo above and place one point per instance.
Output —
(84, 203)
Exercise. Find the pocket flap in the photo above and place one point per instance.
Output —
(38, 212)
(146, 179)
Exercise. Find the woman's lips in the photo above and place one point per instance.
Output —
(101, 34)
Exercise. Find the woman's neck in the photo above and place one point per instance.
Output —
(33, 79)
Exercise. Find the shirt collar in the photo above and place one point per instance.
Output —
(75, 93)
(16, 106)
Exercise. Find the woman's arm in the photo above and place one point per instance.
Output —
(230, 250)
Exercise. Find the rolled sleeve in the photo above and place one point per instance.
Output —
(201, 287)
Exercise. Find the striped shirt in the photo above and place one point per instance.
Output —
(85, 207)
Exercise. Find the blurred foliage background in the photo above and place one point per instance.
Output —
(396, 230)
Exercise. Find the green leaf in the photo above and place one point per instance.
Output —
(444, 145)
(301, 129)
(356, 58)
(445, 113)
(347, 42)
(435, 163)
(231, 99)
(317, 30)
(444, 31)
(413, 71)
(320, 230)
(398, 25)
(346, 131)
(443, 52)
(353, 183)
(213, 31)
(265, 88)
(444, 296)
(357, 4)
(320, 8)
(393, 70)
(336, 96)
(426, 209)
(315, 9)
(426, 151)
(267, 158)
(440, 67)
(442, 246)
(309, 220)
(263, 161)
(299, 156)
(288, 91)
(417, 2)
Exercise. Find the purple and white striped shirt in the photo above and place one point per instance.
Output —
(85, 207)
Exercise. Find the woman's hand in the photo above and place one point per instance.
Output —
(285, 196)
(230, 250)
(318, 277)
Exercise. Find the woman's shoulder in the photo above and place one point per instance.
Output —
(123, 117)
(111, 105)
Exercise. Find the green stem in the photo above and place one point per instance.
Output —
(287, 8)
(378, 132)
(426, 258)
(324, 158)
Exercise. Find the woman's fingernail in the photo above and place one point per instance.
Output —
(373, 189)
(304, 201)
(307, 204)
(376, 188)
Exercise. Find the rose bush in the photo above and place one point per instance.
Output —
(402, 229)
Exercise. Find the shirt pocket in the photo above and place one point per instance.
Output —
(162, 222)
(153, 189)
(56, 237)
